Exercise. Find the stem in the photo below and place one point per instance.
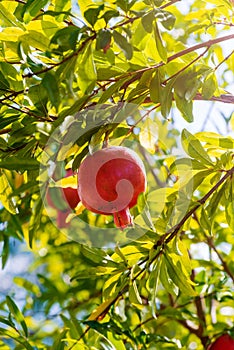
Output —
(174, 230)
(187, 66)
(171, 58)
(28, 112)
(225, 59)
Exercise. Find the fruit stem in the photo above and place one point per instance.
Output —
(123, 218)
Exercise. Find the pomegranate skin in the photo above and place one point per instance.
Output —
(224, 342)
(110, 181)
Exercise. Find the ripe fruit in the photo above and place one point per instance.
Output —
(224, 342)
(63, 199)
(110, 181)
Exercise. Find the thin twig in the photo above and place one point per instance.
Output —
(67, 58)
(225, 59)
(187, 66)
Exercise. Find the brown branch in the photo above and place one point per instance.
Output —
(13, 94)
(228, 98)
(5, 131)
(137, 74)
(208, 44)
(224, 24)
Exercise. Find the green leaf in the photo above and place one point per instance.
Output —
(134, 296)
(7, 19)
(4, 84)
(123, 44)
(212, 138)
(17, 314)
(178, 276)
(155, 88)
(108, 15)
(35, 39)
(166, 98)
(144, 211)
(66, 38)
(50, 83)
(166, 18)
(35, 219)
(147, 21)
(59, 343)
(159, 43)
(39, 96)
(87, 74)
(209, 86)
(229, 210)
(91, 15)
(166, 280)
(97, 256)
(78, 158)
(194, 149)
(103, 39)
(6, 322)
(153, 283)
(33, 7)
(12, 75)
(14, 335)
(6, 193)
(112, 89)
(19, 164)
(102, 308)
(187, 84)
(185, 107)
(75, 107)
(215, 202)
(5, 251)
(149, 135)
(111, 286)
(73, 325)
(97, 138)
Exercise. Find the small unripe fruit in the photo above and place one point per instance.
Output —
(110, 181)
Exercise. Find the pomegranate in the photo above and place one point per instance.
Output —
(225, 341)
(63, 200)
(110, 181)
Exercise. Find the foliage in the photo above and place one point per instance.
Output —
(75, 76)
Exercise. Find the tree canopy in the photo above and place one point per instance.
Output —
(77, 76)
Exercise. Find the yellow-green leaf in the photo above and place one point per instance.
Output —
(6, 193)
(149, 135)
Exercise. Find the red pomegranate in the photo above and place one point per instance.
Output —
(110, 181)
(63, 200)
(224, 342)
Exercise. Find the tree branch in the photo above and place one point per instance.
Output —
(171, 58)
(228, 98)
(174, 230)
